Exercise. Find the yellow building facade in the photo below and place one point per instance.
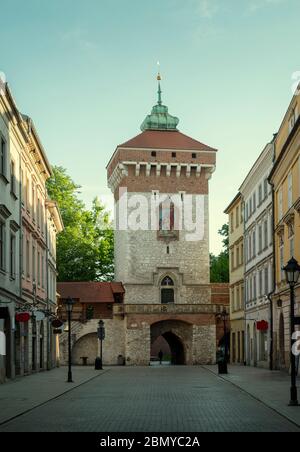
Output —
(285, 179)
(236, 262)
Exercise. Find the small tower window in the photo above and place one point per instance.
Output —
(167, 290)
(153, 154)
(194, 156)
(174, 155)
(166, 217)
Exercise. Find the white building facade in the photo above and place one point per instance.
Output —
(258, 245)
(28, 227)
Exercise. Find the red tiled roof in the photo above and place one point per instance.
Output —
(90, 292)
(157, 139)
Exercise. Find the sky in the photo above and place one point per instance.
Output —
(86, 73)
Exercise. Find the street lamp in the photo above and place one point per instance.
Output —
(69, 303)
(101, 337)
(222, 361)
(292, 272)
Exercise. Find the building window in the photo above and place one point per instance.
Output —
(167, 291)
(12, 178)
(259, 195)
(27, 259)
(27, 195)
(3, 157)
(254, 202)
(33, 201)
(266, 281)
(194, 156)
(280, 207)
(153, 154)
(260, 283)
(166, 216)
(265, 188)
(281, 258)
(254, 243)
(266, 234)
(39, 268)
(237, 215)
(242, 254)
(238, 301)
(33, 263)
(174, 155)
(290, 190)
(39, 213)
(291, 235)
(12, 252)
(259, 238)
(254, 287)
(2, 245)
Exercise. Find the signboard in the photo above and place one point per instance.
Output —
(22, 317)
(262, 325)
(57, 323)
(39, 316)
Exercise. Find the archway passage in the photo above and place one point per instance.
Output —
(85, 347)
(176, 347)
(173, 337)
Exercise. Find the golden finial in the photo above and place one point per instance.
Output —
(158, 75)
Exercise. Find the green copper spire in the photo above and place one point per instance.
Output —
(160, 119)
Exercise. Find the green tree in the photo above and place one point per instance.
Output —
(219, 265)
(85, 247)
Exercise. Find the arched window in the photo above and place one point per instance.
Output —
(167, 290)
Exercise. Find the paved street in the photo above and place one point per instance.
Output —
(157, 399)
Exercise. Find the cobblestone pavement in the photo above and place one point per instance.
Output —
(153, 399)
(270, 387)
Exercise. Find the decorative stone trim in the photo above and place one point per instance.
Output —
(14, 226)
(4, 212)
(297, 206)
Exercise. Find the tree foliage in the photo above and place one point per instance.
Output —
(219, 265)
(85, 247)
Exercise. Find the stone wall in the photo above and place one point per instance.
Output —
(204, 344)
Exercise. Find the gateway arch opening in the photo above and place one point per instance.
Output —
(166, 340)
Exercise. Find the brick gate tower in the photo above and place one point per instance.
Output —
(160, 180)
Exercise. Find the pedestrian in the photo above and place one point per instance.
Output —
(160, 356)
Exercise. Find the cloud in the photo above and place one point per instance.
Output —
(207, 8)
(79, 37)
(255, 5)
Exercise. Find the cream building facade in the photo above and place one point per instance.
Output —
(285, 180)
(236, 265)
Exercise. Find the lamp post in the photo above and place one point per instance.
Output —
(292, 272)
(101, 337)
(222, 363)
(69, 303)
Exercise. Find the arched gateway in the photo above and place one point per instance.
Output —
(178, 336)
(160, 181)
